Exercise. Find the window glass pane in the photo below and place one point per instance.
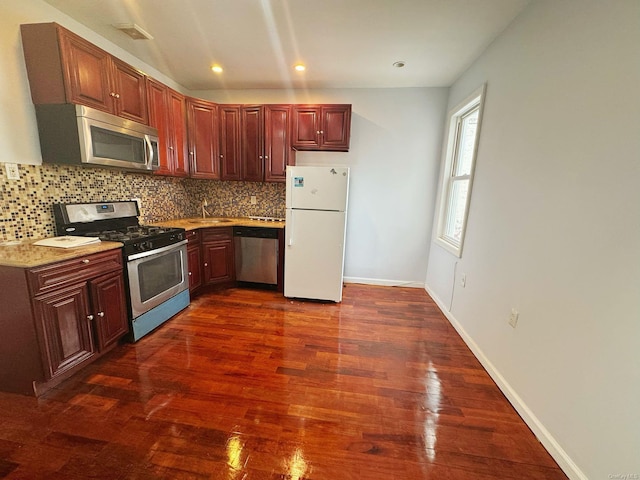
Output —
(456, 210)
(466, 143)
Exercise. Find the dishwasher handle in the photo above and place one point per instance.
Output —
(255, 232)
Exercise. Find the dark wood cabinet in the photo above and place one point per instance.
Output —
(321, 127)
(167, 114)
(64, 321)
(277, 142)
(218, 256)
(266, 142)
(202, 127)
(61, 316)
(230, 139)
(178, 134)
(64, 68)
(252, 124)
(109, 309)
(194, 260)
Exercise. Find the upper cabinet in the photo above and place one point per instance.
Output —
(321, 127)
(202, 127)
(230, 151)
(64, 68)
(266, 142)
(167, 113)
(278, 150)
(252, 145)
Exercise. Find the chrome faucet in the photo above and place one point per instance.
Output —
(205, 204)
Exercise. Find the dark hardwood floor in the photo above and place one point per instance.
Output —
(246, 384)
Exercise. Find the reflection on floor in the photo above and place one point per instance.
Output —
(246, 384)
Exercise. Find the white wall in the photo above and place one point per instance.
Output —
(18, 130)
(554, 229)
(394, 158)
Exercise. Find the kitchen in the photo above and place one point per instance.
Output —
(390, 128)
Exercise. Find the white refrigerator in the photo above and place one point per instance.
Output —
(316, 201)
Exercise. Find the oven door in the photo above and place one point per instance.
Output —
(156, 276)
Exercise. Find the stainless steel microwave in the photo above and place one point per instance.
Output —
(79, 135)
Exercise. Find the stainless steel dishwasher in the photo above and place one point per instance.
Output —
(256, 252)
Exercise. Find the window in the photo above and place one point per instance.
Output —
(457, 179)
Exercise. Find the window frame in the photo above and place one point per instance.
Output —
(452, 136)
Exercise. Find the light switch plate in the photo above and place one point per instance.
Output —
(12, 171)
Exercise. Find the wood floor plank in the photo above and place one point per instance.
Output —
(246, 384)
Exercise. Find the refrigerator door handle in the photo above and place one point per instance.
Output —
(290, 230)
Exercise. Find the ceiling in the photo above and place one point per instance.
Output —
(343, 43)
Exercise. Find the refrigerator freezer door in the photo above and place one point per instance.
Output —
(314, 254)
(318, 188)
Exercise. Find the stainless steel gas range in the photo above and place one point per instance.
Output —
(155, 258)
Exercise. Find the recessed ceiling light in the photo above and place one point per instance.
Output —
(133, 30)
(299, 67)
(217, 68)
(399, 64)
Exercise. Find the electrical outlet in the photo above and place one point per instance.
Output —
(12, 171)
(513, 318)
(254, 200)
(463, 280)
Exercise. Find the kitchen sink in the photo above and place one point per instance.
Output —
(211, 220)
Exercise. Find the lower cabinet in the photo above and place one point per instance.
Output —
(194, 260)
(60, 317)
(218, 256)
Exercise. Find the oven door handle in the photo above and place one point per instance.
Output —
(156, 251)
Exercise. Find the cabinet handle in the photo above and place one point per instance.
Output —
(321, 131)
(89, 317)
(318, 132)
(85, 261)
(117, 95)
(266, 157)
(191, 153)
(221, 156)
(101, 314)
(170, 148)
(206, 264)
(112, 94)
(189, 273)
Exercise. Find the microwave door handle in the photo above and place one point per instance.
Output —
(149, 149)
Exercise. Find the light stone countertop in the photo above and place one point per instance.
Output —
(217, 222)
(27, 255)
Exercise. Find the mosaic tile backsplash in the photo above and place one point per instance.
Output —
(27, 204)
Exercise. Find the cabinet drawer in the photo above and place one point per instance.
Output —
(217, 234)
(193, 236)
(58, 275)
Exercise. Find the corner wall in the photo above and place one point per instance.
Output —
(554, 230)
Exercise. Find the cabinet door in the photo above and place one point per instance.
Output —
(87, 72)
(64, 324)
(159, 118)
(219, 263)
(278, 151)
(335, 127)
(203, 139)
(306, 127)
(252, 123)
(230, 142)
(109, 308)
(129, 92)
(195, 266)
(178, 133)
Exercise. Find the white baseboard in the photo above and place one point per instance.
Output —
(384, 283)
(544, 436)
